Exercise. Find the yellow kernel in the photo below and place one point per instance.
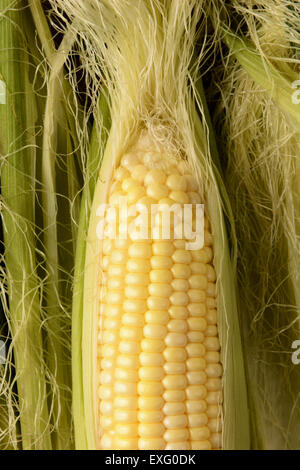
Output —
(161, 262)
(174, 395)
(140, 250)
(195, 350)
(127, 361)
(106, 377)
(179, 196)
(121, 173)
(197, 420)
(214, 397)
(150, 389)
(109, 336)
(199, 433)
(178, 445)
(130, 333)
(106, 363)
(174, 368)
(181, 271)
(114, 297)
(180, 285)
(150, 403)
(136, 292)
(176, 183)
(196, 377)
(177, 326)
(211, 289)
(126, 429)
(176, 435)
(195, 336)
(179, 298)
(107, 442)
(212, 357)
(181, 256)
(108, 350)
(216, 440)
(200, 445)
(211, 330)
(125, 388)
(198, 281)
(163, 248)
(210, 273)
(198, 268)
(196, 295)
(215, 425)
(105, 422)
(195, 406)
(116, 271)
(160, 275)
(151, 359)
(175, 408)
(175, 354)
(155, 176)
(115, 283)
(155, 331)
(192, 184)
(213, 411)
(151, 373)
(194, 197)
(116, 197)
(137, 279)
(157, 316)
(214, 384)
(139, 172)
(160, 290)
(129, 160)
(132, 319)
(125, 403)
(125, 416)
(125, 443)
(211, 316)
(121, 244)
(151, 429)
(129, 347)
(176, 422)
(135, 305)
(208, 239)
(178, 312)
(134, 194)
(175, 382)
(129, 183)
(197, 323)
(152, 345)
(195, 363)
(212, 343)
(196, 392)
(150, 416)
(158, 303)
(136, 265)
(175, 340)
(157, 191)
(151, 443)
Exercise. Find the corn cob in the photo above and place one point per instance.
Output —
(159, 363)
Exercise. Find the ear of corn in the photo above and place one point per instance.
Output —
(154, 124)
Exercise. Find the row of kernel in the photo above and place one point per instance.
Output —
(110, 321)
(176, 434)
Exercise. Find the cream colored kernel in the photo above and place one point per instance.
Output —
(137, 279)
(176, 183)
(177, 326)
(194, 197)
(180, 285)
(195, 363)
(160, 276)
(211, 289)
(195, 336)
(175, 368)
(200, 445)
(157, 316)
(211, 316)
(158, 303)
(136, 265)
(197, 309)
(213, 411)
(178, 445)
(151, 429)
(130, 375)
(195, 406)
(140, 250)
(139, 172)
(151, 443)
(161, 262)
(174, 395)
(196, 295)
(136, 292)
(211, 330)
(179, 196)
(196, 377)
(176, 435)
(178, 312)
(125, 403)
(155, 176)
(197, 420)
(214, 397)
(150, 416)
(199, 433)
(127, 361)
(175, 408)
(212, 357)
(214, 384)
(129, 160)
(114, 283)
(133, 319)
(130, 333)
(116, 271)
(179, 298)
(129, 347)
(151, 359)
(150, 403)
(154, 331)
(216, 440)
(198, 281)
(215, 425)
(124, 443)
(163, 248)
(160, 290)
(176, 422)
(173, 354)
(212, 343)
(151, 373)
(175, 340)
(195, 350)
(135, 305)
(175, 382)
(181, 271)
(197, 323)
(150, 389)
(122, 415)
(152, 345)
(157, 191)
